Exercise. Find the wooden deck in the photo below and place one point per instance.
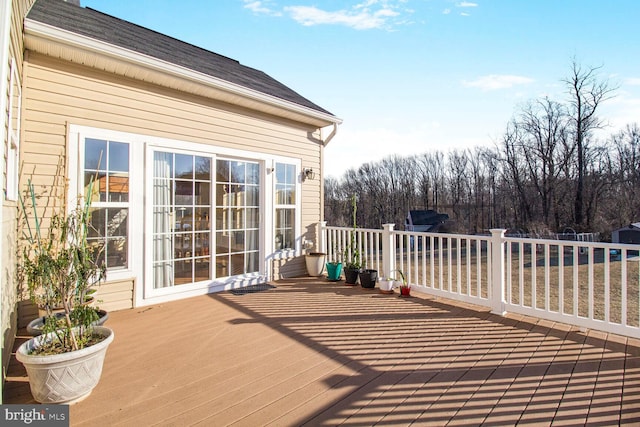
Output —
(318, 353)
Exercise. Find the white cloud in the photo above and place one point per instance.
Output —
(446, 11)
(621, 111)
(466, 4)
(360, 17)
(368, 14)
(260, 7)
(496, 81)
(633, 81)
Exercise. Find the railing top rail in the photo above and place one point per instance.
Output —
(573, 243)
(358, 230)
(444, 235)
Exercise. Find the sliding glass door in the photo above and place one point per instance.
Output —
(186, 238)
(181, 219)
(237, 217)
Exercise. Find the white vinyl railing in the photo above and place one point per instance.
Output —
(587, 284)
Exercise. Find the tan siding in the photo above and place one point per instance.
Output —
(27, 311)
(113, 296)
(58, 93)
(142, 111)
(77, 95)
(10, 310)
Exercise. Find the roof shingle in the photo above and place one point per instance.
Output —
(109, 29)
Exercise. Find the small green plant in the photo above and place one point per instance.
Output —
(403, 281)
(60, 268)
(352, 255)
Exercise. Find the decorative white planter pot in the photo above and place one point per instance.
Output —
(386, 285)
(34, 328)
(315, 263)
(68, 377)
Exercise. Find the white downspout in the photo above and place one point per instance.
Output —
(331, 135)
(324, 144)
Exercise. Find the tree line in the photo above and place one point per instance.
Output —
(548, 172)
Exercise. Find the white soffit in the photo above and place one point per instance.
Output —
(63, 44)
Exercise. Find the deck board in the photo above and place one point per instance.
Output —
(310, 352)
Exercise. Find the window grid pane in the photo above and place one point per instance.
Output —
(181, 219)
(285, 211)
(237, 212)
(106, 183)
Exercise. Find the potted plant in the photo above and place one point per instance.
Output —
(59, 267)
(386, 285)
(368, 278)
(353, 265)
(334, 268)
(315, 263)
(405, 288)
(35, 327)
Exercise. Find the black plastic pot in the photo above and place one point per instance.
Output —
(368, 278)
(351, 275)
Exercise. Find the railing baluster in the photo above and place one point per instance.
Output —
(521, 272)
(561, 279)
(547, 257)
(607, 296)
(576, 287)
(623, 279)
(590, 299)
(416, 264)
(509, 272)
(605, 293)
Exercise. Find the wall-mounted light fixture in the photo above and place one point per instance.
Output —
(309, 173)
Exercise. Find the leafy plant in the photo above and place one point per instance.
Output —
(403, 282)
(351, 253)
(60, 268)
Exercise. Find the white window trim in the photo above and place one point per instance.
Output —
(140, 261)
(75, 168)
(13, 137)
(297, 247)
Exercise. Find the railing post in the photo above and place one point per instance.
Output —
(497, 283)
(388, 249)
(321, 237)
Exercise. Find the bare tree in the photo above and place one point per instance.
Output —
(586, 92)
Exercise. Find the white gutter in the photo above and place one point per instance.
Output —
(331, 135)
(77, 41)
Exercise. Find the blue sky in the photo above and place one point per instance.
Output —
(409, 76)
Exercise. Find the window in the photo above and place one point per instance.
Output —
(13, 140)
(285, 206)
(106, 182)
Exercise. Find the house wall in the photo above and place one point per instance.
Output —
(58, 93)
(12, 50)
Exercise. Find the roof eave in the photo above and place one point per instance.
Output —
(54, 41)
